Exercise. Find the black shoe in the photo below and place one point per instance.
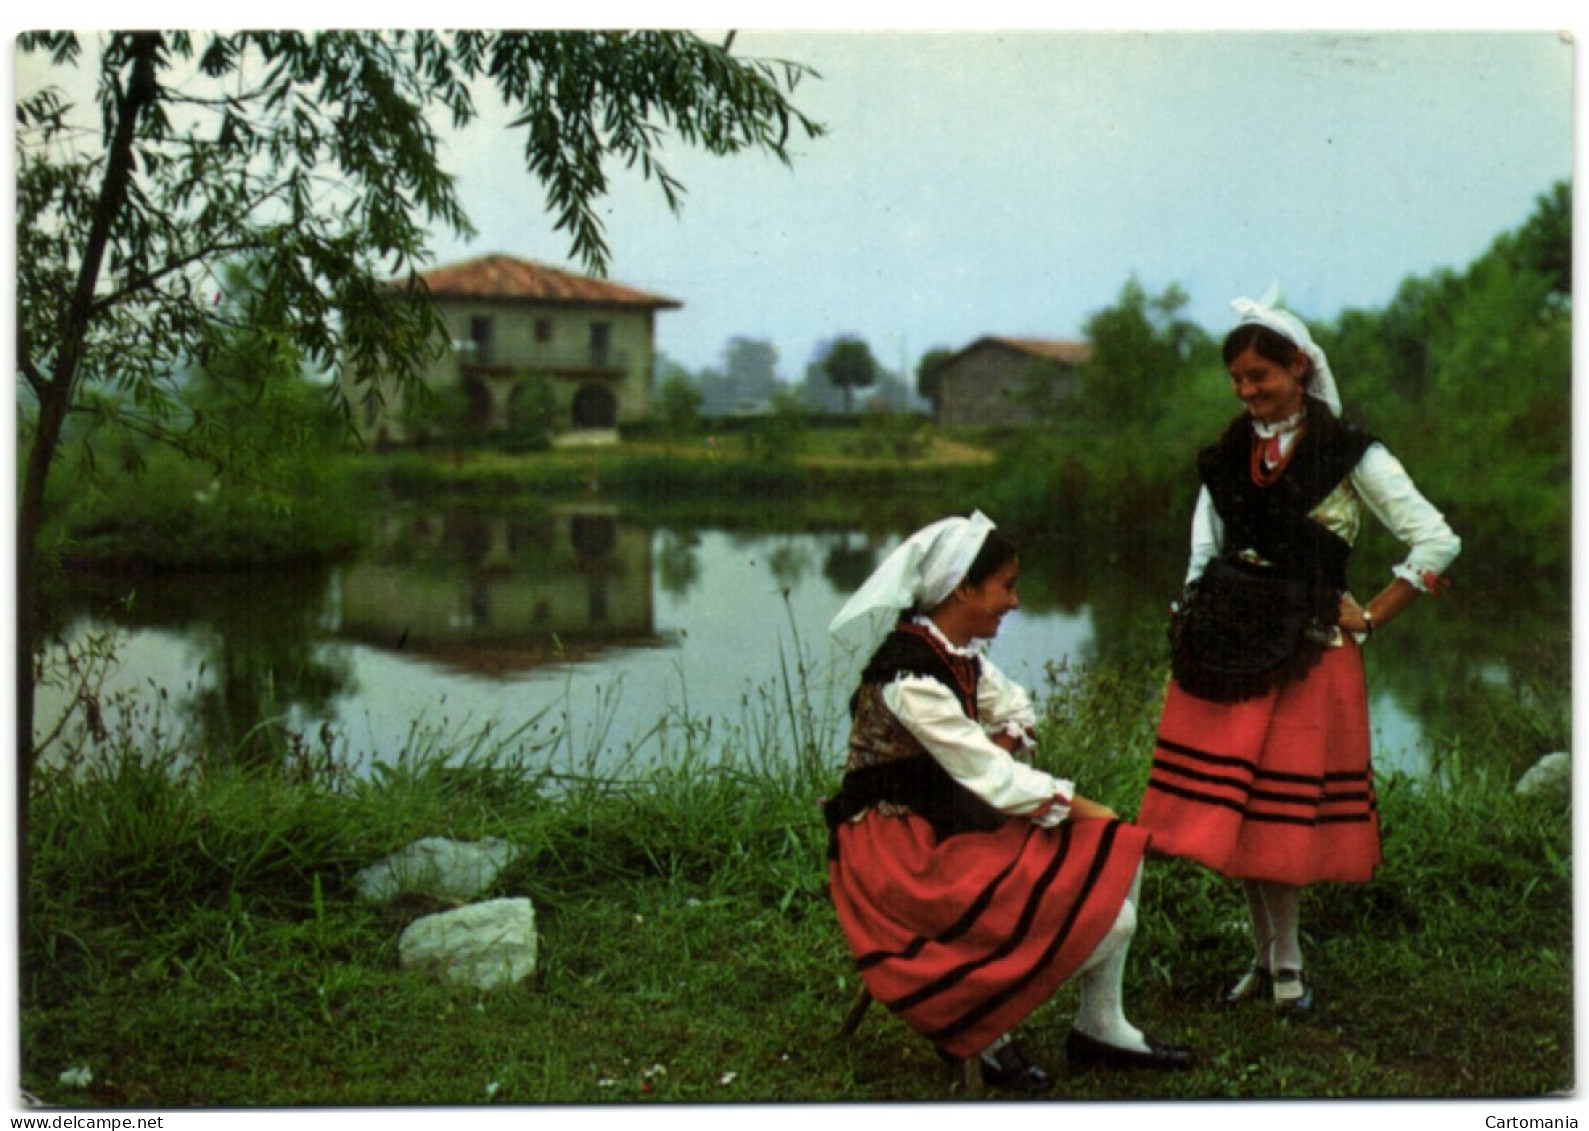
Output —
(1083, 1051)
(1007, 1067)
(1254, 980)
(1289, 1002)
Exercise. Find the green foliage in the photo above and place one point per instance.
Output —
(315, 159)
(1143, 353)
(1120, 446)
(929, 373)
(198, 940)
(1468, 378)
(1465, 376)
(532, 412)
(849, 364)
(165, 513)
(893, 435)
(678, 406)
(439, 415)
(780, 435)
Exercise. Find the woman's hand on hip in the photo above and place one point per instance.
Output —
(1350, 617)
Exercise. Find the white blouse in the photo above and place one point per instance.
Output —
(1379, 482)
(965, 748)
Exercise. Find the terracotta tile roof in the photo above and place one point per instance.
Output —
(506, 278)
(1050, 349)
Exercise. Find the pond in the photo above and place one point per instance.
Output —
(590, 635)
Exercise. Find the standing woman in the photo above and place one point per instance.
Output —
(970, 884)
(1262, 769)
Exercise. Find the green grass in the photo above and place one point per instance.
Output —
(196, 941)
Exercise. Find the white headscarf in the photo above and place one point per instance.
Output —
(921, 571)
(1265, 313)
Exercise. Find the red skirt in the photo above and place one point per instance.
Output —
(965, 936)
(1277, 788)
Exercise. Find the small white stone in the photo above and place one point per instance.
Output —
(1553, 771)
(484, 945)
(451, 869)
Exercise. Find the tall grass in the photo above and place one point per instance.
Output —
(197, 939)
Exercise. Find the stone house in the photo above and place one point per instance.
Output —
(986, 383)
(516, 326)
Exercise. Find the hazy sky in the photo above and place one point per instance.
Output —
(1012, 182)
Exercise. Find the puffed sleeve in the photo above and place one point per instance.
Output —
(933, 715)
(1388, 492)
(1208, 534)
(1003, 705)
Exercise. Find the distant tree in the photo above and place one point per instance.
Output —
(1544, 243)
(1498, 413)
(929, 374)
(890, 393)
(1389, 354)
(315, 157)
(849, 364)
(1143, 351)
(1468, 376)
(717, 392)
(751, 367)
(816, 391)
(678, 405)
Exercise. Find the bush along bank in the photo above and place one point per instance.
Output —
(175, 516)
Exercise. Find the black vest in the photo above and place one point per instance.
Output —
(918, 782)
(1273, 520)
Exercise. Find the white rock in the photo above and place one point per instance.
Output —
(437, 866)
(1552, 772)
(484, 945)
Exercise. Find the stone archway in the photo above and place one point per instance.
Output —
(595, 406)
(480, 404)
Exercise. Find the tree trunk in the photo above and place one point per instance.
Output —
(56, 394)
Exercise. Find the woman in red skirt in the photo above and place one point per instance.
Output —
(970, 884)
(1262, 769)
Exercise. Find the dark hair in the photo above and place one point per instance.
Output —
(997, 551)
(1269, 344)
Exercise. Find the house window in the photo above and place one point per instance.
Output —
(600, 344)
(480, 339)
(543, 330)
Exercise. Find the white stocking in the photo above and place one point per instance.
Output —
(1283, 904)
(1263, 933)
(1102, 1011)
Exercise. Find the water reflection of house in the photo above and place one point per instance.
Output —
(518, 328)
(990, 382)
(490, 593)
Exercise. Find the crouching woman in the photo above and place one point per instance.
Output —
(969, 883)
